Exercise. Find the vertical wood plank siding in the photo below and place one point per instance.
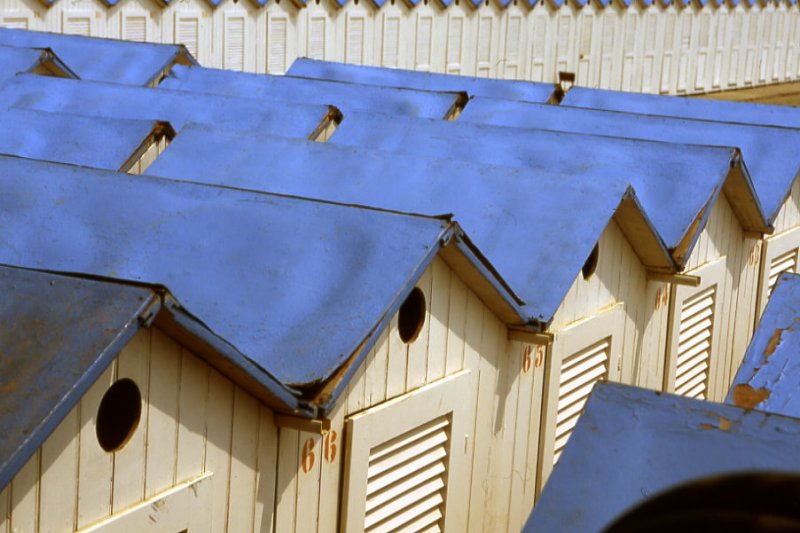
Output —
(638, 48)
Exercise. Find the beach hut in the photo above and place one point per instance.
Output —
(593, 317)
(111, 144)
(346, 96)
(767, 379)
(426, 81)
(701, 170)
(109, 100)
(40, 61)
(780, 198)
(638, 443)
(730, 265)
(264, 395)
(109, 60)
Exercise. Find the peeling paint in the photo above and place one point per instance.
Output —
(747, 397)
(774, 341)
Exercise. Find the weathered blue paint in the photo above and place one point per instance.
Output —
(494, 204)
(345, 96)
(678, 106)
(295, 285)
(772, 154)
(15, 60)
(673, 181)
(176, 107)
(632, 443)
(426, 81)
(59, 334)
(769, 376)
(74, 139)
(109, 60)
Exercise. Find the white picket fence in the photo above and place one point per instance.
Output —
(657, 49)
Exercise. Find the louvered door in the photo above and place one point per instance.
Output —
(579, 372)
(786, 262)
(700, 336)
(403, 469)
(694, 344)
(780, 255)
(582, 355)
(187, 33)
(134, 27)
(233, 44)
(406, 479)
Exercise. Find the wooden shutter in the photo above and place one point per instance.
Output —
(354, 50)
(579, 372)
(276, 41)
(406, 479)
(234, 43)
(135, 28)
(77, 25)
(422, 54)
(694, 344)
(405, 462)
(316, 38)
(484, 55)
(390, 56)
(455, 44)
(786, 262)
(187, 33)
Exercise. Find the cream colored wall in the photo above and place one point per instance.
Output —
(460, 332)
(652, 49)
(723, 239)
(193, 421)
(621, 278)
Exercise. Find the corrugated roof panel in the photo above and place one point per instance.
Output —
(673, 181)
(508, 212)
(427, 81)
(294, 285)
(632, 443)
(772, 154)
(176, 107)
(96, 59)
(74, 139)
(345, 96)
(769, 376)
(678, 106)
(58, 336)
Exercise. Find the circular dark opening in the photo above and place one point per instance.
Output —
(591, 263)
(411, 316)
(118, 414)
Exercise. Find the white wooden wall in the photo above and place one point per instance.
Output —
(723, 241)
(194, 421)
(650, 49)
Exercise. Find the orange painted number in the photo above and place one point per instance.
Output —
(307, 462)
(539, 361)
(329, 451)
(526, 359)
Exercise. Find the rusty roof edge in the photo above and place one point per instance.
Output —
(49, 54)
(738, 180)
(287, 398)
(655, 239)
(37, 437)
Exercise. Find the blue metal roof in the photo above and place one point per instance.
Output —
(107, 60)
(427, 81)
(16, 60)
(508, 212)
(769, 376)
(58, 336)
(678, 106)
(631, 443)
(345, 96)
(673, 181)
(176, 107)
(294, 285)
(772, 154)
(78, 140)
